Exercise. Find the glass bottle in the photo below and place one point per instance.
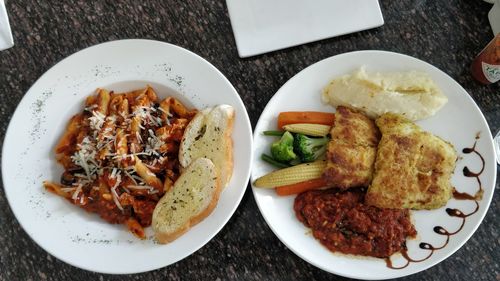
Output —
(486, 66)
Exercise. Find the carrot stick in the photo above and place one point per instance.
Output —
(300, 187)
(313, 117)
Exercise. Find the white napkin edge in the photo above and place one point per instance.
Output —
(6, 39)
(494, 17)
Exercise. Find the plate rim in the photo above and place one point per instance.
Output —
(145, 268)
(374, 52)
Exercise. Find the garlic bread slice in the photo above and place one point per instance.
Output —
(208, 135)
(192, 198)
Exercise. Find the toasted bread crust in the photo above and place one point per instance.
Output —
(228, 168)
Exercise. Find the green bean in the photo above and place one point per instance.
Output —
(273, 133)
(273, 162)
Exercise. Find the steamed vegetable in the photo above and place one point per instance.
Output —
(313, 117)
(300, 187)
(282, 150)
(308, 148)
(273, 133)
(273, 162)
(315, 130)
(291, 175)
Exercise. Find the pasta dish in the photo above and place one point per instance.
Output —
(120, 155)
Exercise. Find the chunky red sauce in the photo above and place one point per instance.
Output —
(342, 223)
(141, 209)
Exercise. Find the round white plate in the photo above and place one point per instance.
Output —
(459, 121)
(68, 232)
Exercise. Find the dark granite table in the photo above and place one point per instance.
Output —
(447, 34)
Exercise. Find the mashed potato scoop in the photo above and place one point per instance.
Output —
(412, 94)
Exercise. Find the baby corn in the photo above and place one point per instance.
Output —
(291, 175)
(315, 130)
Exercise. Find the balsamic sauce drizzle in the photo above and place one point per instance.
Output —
(451, 212)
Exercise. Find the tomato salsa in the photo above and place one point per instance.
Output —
(342, 223)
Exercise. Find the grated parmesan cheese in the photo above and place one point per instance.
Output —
(113, 191)
(96, 153)
(140, 187)
(96, 120)
(168, 115)
(77, 191)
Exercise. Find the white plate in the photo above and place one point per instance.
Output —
(458, 122)
(261, 26)
(68, 232)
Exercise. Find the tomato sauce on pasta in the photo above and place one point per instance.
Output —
(120, 155)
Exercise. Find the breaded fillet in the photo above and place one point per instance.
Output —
(413, 167)
(352, 149)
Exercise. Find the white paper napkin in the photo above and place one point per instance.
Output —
(261, 26)
(6, 40)
(494, 17)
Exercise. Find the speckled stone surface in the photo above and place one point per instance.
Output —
(447, 34)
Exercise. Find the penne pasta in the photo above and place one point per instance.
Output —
(136, 228)
(167, 184)
(70, 134)
(121, 147)
(165, 110)
(151, 94)
(146, 174)
(120, 155)
(135, 138)
(56, 189)
(114, 104)
(179, 108)
(123, 110)
(132, 96)
(102, 101)
(106, 137)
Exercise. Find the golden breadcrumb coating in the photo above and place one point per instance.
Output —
(352, 149)
(412, 169)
